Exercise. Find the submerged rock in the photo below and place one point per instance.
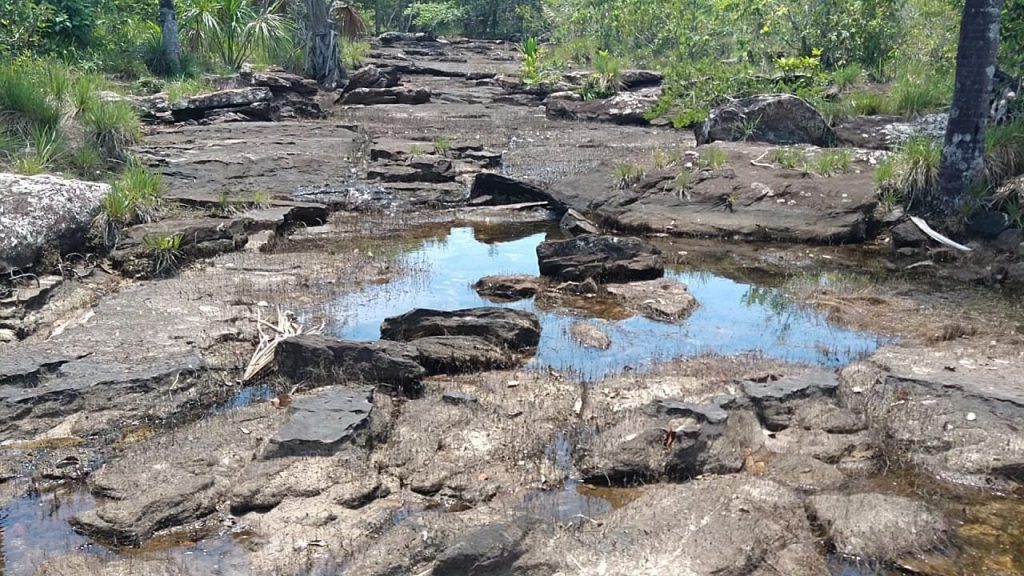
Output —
(590, 336)
(664, 300)
(507, 288)
(37, 212)
(877, 526)
(507, 328)
(771, 118)
(602, 258)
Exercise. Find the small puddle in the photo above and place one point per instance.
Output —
(35, 527)
(733, 317)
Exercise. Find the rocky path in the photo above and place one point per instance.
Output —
(439, 448)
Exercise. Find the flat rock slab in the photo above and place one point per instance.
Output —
(324, 360)
(395, 95)
(741, 201)
(601, 258)
(627, 108)
(488, 550)
(40, 211)
(590, 336)
(877, 526)
(321, 423)
(511, 329)
(198, 106)
(665, 299)
(776, 401)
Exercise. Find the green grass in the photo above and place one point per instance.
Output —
(442, 145)
(713, 158)
(831, 162)
(178, 90)
(353, 53)
(868, 104)
(683, 181)
(114, 127)
(1004, 153)
(24, 103)
(45, 148)
(791, 159)
(662, 159)
(627, 174)
(910, 171)
(164, 250)
(847, 77)
(135, 196)
(913, 96)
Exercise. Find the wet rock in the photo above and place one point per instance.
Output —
(507, 328)
(590, 336)
(576, 224)
(715, 525)
(166, 482)
(197, 107)
(775, 399)
(496, 190)
(282, 215)
(777, 119)
(37, 212)
(877, 526)
(371, 77)
(626, 108)
(461, 354)
(321, 423)
(323, 360)
(665, 299)
(507, 288)
(395, 95)
(960, 425)
(603, 258)
(488, 550)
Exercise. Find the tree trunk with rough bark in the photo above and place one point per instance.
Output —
(322, 60)
(963, 153)
(170, 43)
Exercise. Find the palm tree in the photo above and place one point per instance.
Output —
(963, 154)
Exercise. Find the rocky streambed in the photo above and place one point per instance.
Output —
(525, 365)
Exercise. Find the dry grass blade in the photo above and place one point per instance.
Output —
(286, 327)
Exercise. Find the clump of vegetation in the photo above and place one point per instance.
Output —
(164, 251)
(831, 162)
(910, 171)
(530, 71)
(135, 197)
(914, 95)
(353, 53)
(232, 31)
(113, 126)
(627, 174)
(848, 76)
(868, 104)
(790, 158)
(713, 158)
(442, 145)
(606, 80)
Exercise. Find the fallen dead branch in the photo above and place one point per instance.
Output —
(270, 336)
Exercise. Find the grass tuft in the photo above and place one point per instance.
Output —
(910, 171)
(713, 158)
(114, 126)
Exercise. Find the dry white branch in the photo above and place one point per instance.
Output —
(286, 327)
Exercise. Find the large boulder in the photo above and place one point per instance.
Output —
(395, 95)
(602, 258)
(323, 360)
(628, 108)
(37, 212)
(772, 118)
(507, 328)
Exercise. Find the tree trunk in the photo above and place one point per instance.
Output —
(963, 154)
(171, 44)
(322, 62)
